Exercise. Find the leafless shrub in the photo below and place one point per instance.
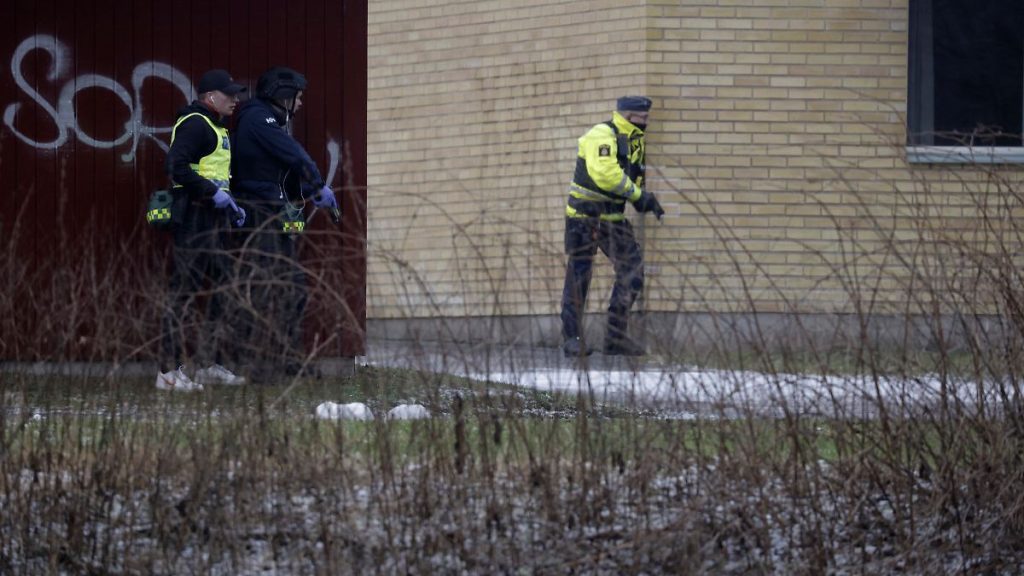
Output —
(807, 450)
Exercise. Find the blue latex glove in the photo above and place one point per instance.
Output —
(222, 199)
(239, 218)
(324, 198)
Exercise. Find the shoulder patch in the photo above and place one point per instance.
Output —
(604, 150)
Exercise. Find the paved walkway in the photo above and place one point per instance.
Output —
(484, 359)
(652, 383)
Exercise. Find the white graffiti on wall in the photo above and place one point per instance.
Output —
(333, 156)
(66, 120)
(63, 115)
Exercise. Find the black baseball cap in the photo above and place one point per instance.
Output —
(219, 80)
(634, 104)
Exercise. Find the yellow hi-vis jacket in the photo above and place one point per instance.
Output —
(609, 171)
(216, 166)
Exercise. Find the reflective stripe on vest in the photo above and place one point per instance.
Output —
(586, 203)
(216, 166)
(607, 217)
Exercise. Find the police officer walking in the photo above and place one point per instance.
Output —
(609, 172)
(198, 163)
(273, 176)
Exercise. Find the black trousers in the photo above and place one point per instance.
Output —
(583, 238)
(274, 282)
(201, 266)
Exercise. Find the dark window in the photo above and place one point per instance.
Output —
(966, 73)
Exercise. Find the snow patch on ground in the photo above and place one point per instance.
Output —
(408, 412)
(351, 411)
(359, 411)
(688, 392)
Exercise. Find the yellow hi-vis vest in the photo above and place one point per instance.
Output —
(609, 171)
(216, 166)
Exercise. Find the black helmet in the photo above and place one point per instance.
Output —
(280, 83)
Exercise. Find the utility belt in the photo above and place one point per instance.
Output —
(275, 215)
(167, 209)
(267, 197)
(188, 200)
(193, 196)
(585, 203)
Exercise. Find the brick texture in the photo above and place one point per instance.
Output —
(775, 147)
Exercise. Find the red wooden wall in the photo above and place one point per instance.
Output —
(89, 91)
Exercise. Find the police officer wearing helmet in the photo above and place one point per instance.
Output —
(273, 176)
(609, 173)
(198, 164)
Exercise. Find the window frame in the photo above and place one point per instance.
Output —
(921, 104)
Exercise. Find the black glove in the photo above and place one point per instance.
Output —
(647, 202)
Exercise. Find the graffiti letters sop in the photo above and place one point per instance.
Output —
(64, 114)
(65, 119)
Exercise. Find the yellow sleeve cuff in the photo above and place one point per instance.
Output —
(636, 193)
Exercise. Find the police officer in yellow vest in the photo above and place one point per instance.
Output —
(609, 172)
(198, 163)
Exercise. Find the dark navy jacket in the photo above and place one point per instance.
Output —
(264, 155)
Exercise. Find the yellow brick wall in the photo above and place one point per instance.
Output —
(774, 146)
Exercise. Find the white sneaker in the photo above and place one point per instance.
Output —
(217, 374)
(176, 380)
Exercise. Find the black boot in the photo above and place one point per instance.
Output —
(623, 346)
(574, 348)
(617, 341)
